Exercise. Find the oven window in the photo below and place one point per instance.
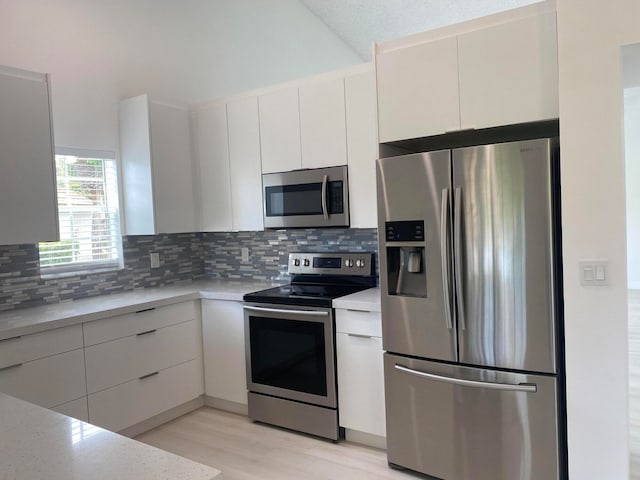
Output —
(288, 354)
(303, 199)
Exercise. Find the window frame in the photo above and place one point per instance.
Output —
(95, 266)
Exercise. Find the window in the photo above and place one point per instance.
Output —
(89, 214)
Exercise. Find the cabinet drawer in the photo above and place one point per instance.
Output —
(39, 345)
(141, 321)
(130, 403)
(47, 382)
(359, 322)
(361, 384)
(124, 359)
(76, 409)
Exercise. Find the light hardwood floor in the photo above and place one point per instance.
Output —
(244, 450)
(634, 382)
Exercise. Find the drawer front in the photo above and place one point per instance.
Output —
(108, 329)
(361, 383)
(359, 322)
(124, 359)
(39, 345)
(76, 409)
(49, 381)
(130, 403)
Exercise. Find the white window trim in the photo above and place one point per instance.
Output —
(86, 268)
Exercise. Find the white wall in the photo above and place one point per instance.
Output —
(99, 51)
(590, 34)
(632, 171)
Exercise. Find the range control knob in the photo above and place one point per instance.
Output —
(360, 263)
(348, 263)
(306, 262)
(296, 262)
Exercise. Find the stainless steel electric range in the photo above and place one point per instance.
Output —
(290, 341)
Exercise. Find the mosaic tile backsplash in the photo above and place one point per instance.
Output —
(21, 284)
(183, 258)
(269, 250)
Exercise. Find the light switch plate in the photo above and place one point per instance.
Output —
(245, 254)
(594, 273)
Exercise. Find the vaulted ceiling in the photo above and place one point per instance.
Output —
(361, 22)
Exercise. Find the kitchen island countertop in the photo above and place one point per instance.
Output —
(38, 444)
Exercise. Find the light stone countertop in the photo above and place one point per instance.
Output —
(47, 317)
(38, 444)
(368, 300)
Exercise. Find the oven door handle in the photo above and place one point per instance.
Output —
(311, 313)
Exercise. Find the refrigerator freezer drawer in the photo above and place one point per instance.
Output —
(462, 423)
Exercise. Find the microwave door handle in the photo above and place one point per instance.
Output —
(325, 183)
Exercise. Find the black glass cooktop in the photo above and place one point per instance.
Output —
(303, 294)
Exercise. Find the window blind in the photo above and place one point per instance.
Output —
(89, 216)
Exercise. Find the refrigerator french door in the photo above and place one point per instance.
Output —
(469, 325)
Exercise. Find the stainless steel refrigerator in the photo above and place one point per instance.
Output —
(468, 274)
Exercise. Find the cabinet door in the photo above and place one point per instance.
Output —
(133, 402)
(171, 163)
(76, 409)
(213, 163)
(362, 149)
(135, 153)
(224, 351)
(322, 124)
(27, 183)
(280, 131)
(509, 73)
(361, 383)
(48, 381)
(418, 91)
(244, 164)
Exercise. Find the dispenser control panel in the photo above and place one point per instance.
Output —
(407, 231)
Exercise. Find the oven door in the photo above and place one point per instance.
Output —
(290, 352)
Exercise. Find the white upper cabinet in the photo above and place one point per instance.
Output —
(509, 73)
(322, 124)
(27, 183)
(418, 90)
(360, 97)
(155, 148)
(213, 168)
(280, 131)
(244, 164)
(499, 70)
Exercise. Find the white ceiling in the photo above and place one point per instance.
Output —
(361, 22)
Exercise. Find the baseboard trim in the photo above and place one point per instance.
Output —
(226, 405)
(164, 417)
(363, 438)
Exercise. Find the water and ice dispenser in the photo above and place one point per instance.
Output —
(405, 251)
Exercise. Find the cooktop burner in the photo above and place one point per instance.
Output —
(318, 278)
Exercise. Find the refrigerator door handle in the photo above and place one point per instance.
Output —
(521, 387)
(457, 255)
(445, 232)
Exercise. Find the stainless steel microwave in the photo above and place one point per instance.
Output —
(306, 198)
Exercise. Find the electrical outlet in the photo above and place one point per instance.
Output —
(155, 259)
(245, 254)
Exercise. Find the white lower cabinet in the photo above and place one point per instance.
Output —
(48, 381)
(132, 402)
(224, 350)
(76, 409)
(124, 359)
(145, 363)
(360, 372)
